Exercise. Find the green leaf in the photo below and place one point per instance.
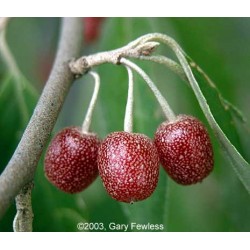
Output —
(239, 164)
(17, 101)
(222, 110)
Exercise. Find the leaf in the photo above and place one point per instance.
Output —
(17, 101)
(221, 109)
(13, 121)
(239, 164)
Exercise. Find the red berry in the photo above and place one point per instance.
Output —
(185, 149)
(71, 160)
(92, 27)
(129, 166)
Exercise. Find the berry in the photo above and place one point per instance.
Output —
(71, 160)
(185, 149)
(92, 26)
(129, 166)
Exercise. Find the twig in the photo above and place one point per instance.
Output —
(21, 168)
(24, 216)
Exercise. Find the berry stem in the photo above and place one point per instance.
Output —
(162, 101)
(128, 120)
(89, 114)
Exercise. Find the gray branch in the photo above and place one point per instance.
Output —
(21, 168)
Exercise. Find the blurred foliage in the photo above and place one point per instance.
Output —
(220, 46)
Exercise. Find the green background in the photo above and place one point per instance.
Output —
(220, 46)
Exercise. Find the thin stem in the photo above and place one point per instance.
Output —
(88, 117)
(128, 120)
(21, 167)
(162, 101)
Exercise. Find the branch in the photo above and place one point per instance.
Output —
(21, 168)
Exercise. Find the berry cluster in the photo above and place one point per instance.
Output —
(128, 163)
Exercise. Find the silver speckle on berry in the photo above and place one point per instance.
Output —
(129, 166)
(185, 149)
(71, 160)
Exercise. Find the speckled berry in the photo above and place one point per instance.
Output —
(129, 166)
(71, 160)
(185, 149)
